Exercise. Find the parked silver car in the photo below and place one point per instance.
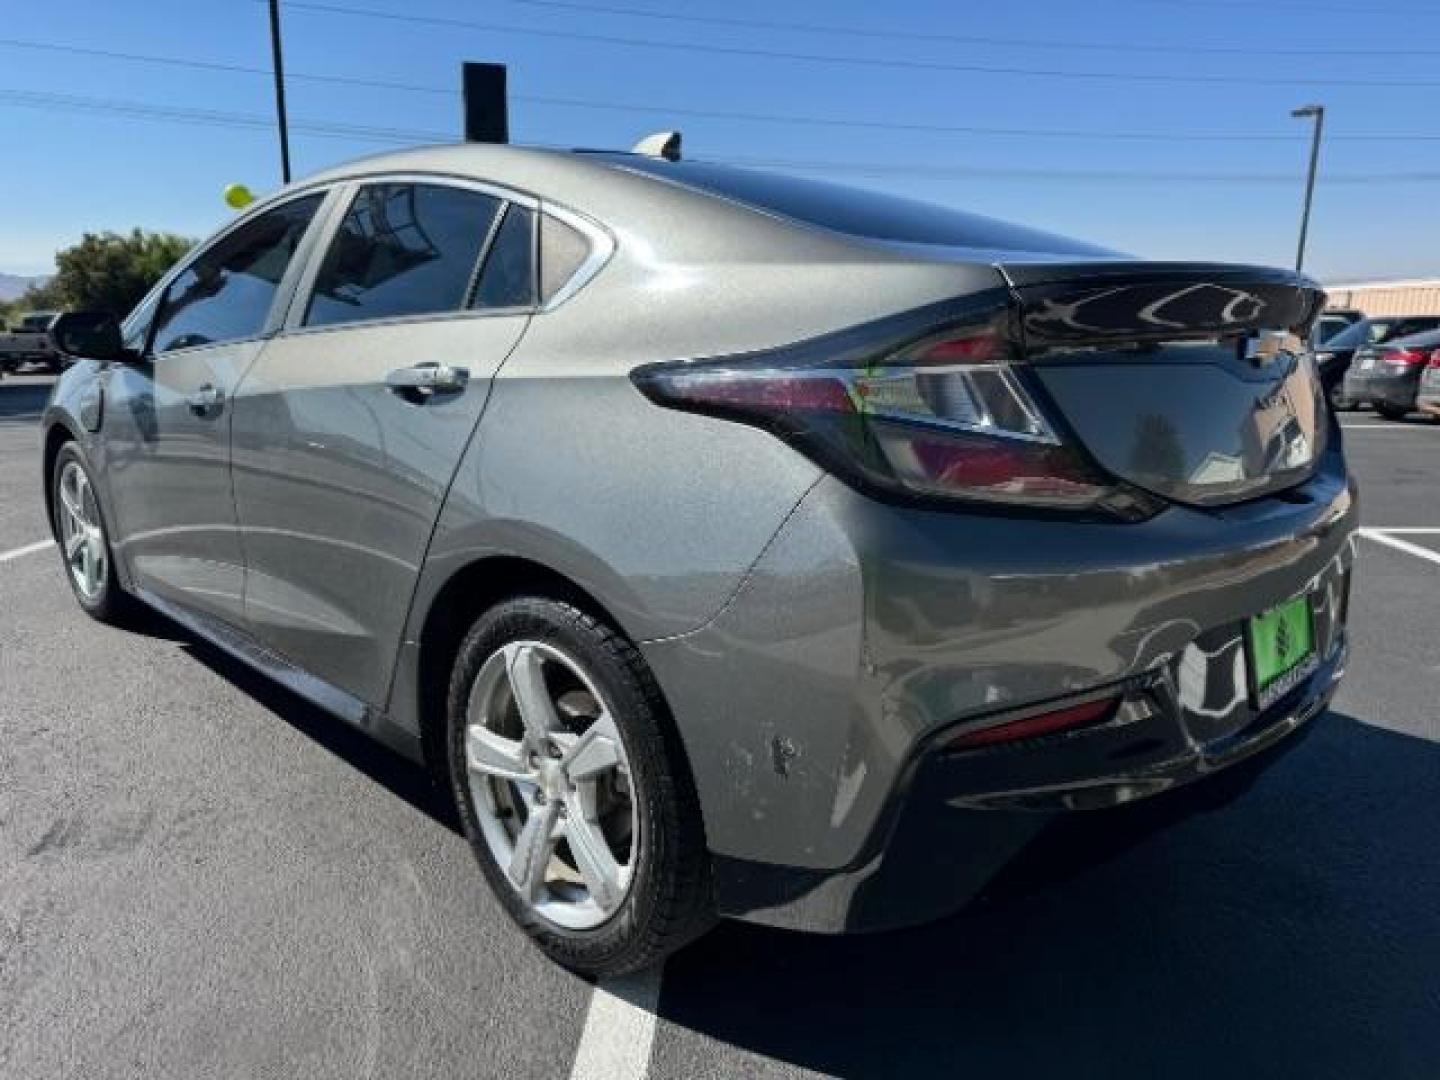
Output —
(730, 544)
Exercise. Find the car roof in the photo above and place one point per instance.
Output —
(1427, 337)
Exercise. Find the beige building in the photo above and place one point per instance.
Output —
(1417, 297)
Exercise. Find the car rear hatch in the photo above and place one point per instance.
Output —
(1189, 380)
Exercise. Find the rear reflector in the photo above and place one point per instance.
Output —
(1030, 727)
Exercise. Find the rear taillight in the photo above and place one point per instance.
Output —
(943, 416)
(1407, 357)
(1434, 359)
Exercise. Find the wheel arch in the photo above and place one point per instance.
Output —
(56, 435)
(468, 592)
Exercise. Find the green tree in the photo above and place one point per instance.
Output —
(35, 298)
(110, 272)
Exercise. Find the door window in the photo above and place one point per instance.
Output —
(226, 292)
(403, 249)
(507, 279)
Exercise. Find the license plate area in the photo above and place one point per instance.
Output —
(1280, 646)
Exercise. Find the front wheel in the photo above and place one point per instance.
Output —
(573, 790)
(80, 528)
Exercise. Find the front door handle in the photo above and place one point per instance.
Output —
(424, 380)
(205, 400)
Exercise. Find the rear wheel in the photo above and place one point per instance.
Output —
(1390, 412)
(1338, 401)
(572, 788)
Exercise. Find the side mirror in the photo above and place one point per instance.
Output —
(92, 335)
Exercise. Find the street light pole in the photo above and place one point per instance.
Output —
(1318, 112)
(280, 90)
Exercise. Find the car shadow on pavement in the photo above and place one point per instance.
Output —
(22, 402)
(1291, 931)
(402, 777)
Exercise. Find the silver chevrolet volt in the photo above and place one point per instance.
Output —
(729, 544)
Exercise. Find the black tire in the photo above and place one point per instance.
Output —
(111, 604)
(1390, 412)
(670, 899)
(1338, 401)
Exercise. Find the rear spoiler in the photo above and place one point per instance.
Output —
(1120, 301)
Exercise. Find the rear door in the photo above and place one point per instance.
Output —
(167, 415)
(350, 425)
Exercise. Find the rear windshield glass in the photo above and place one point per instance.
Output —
(853, 211)
(1375, 331)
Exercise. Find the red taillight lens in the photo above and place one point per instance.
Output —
(946, 417)
(1434, 359)
(1031, 727)
(1407, 357)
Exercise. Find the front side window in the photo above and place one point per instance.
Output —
(403, 249)
(226, 293)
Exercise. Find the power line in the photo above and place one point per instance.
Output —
(211, 117)
(215, 65)
(866, 32)
(891, 63)
(713, 114)
(1303, 6)
(333, 129)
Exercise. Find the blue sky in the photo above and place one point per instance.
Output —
(86, 147)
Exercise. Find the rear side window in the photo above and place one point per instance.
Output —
(563, 251)
(402, 249)
(854, 211)
(226, 293)
(508, 277)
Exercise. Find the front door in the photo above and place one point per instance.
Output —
(166, 419)
(351, 424)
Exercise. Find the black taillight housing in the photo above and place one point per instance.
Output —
(932, 406)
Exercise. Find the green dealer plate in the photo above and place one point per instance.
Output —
(1282, 649)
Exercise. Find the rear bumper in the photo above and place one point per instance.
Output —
(1397, 391)
(959, 819)
(812, 705)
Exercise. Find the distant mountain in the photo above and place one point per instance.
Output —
(12, 285)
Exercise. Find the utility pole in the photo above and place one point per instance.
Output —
(279, 64)
(1318, 113)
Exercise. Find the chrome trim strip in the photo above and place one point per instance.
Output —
(602, 246)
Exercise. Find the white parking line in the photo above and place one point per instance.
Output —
(619, 1028)
(28, 549)
(1382, 536)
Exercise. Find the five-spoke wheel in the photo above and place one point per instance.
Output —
(550, 783)
(573, 788)
(82, 537)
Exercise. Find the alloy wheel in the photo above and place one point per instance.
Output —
(551, 784)
(82, 537)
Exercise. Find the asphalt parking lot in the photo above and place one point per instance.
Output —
(202, 876)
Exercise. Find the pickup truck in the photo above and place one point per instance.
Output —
(29, 343)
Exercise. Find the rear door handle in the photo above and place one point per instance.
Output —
(423, 380)
(205, 400)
